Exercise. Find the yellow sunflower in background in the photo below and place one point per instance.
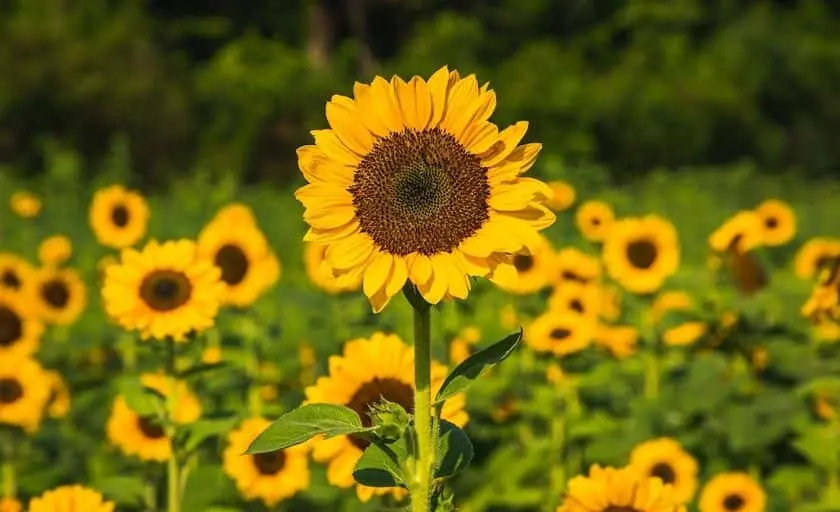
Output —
(144, 436)
(164, 290)
(685, 333)
(236, 213)
(824, 302)
(59, 402)
(55, 250)
(594, 220)
(321, 275)
(619, 490)
(559, 333)
(271, 477)
(10, 505)
(563, 196)
(413, 183)
(24, 391)
(368, 371)
(619, 340)
(641, 253)
(572, 264)
(460, 347)
(118, 216)
(576, 297)
(241, 252)
(778, 221)
(15, 272)
(60, 295)
(20, 327)
(741, 233)
(534, 269)
(732, 492)
(71, 498)
(610, 302)
(25, 204)
(815, 255)
(665, 459)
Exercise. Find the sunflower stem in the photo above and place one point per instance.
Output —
(426, 435)
(557, 475)
(9, 489)
(173, 483)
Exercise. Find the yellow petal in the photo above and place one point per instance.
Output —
(438, 90)
(349, 252)
(377, 273)
(481, 137)
(474, 266)
(385, 104)
(323, 195)
(365, 108)
(332, 234)
(435, 289)
(519, 161)
(327, 218)
(318, 168)
(329, 143)
(504, 274)
(345, 122)
(461, 105)
(415, 102)
(509, 138)
(399, 274)
(420, 269)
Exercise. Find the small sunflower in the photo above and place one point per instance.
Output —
(619, 340)
(825, 406)
(815, 255)
(118, 216)
(144, 436)
(15, 272)
(534, 269)
(778, 221)
(594, 220)
(367, 371)
(559, 333)
(563, 196)
(640, 253)
(684, 333)
(576, 297)
(321, 275)
(413, 183)
(61, 295)
(165, 290)
(619, 490)
(741, 233)
(24, 392)
(610, 302)
(20, 327)
(665, 459)
(25, 204)
(732, 492)
(572, 264)
(10, 505)
(824, 302)
(59, 403)
(247, 264)
(271, 477)
(236, 213)
(71, 498)
(55, 250)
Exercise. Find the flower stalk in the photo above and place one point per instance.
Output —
(173, 481)
(426, 433)
(8, 476)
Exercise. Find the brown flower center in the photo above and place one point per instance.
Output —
(523, 262)
(733, 502)
(55, 293)
(771, 222)
(165, 290)
(665, 472)
(560, 333)
(420, 191)
(150, 427)
(568, 275)
(641, 254)
(376, 390)
(11, 327)
(595, 221)
(576, 305)
(10, 390)
(270, 463)
(10, 279)
(233, 262)
(119, 216)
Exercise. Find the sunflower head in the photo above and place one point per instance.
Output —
(118, 216)
(619, 340)
(778, 221)
(664, 458)
(534, 267)
(16, 273)
(741, 233)
(71, 497)
(572, 264)
(561, 333)
(815, 255)
(55, 250)
(24, 392)
(60, 294)
(10, 505)
(619, 490)
(25, 204)
(641, 253)
(732, 492)
(563, 196)
(594, 220)
(20, 326)
(414, 183)
(576, 297)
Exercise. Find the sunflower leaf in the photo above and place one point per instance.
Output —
(307, 421)
(201, 369)
(381, 464)
(141, 399)
(200, 431)
(475, 366)
(455, 450)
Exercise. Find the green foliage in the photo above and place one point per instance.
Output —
(304, 423)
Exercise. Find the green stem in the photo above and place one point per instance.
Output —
(557, 473)
(173, 484)
(652, 375)
(255, 403)
(426, 436)
(127, 345)
(7, 470)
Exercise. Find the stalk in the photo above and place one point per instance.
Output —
(173, 483)
(426, 434)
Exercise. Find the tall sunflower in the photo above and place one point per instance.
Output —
(572, 264)
(563, 196)
(778, 221)
(413, 183)
(164, 290)
(241, 252)
(665, 459)
(741, 233)
(55, 250)
(321, 275)
(60, 294)
(561, 333)
(24, 391)
(619, 490)
(640, 253)
(815, 255)
(732, 492)
(15, 272)
(576, 297)
(368, 371)
(534, 269)
(271, 477)
(20, 327)
(594, 220)
(118, 216)
(71, 498)
(25, 204)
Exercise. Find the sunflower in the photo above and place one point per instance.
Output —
(826, 330)
(236, 213)
(594, 220)
(71, 497)
(15, 273)
(10, 505)
(619, 340)
(59, 403)
(25, 204)
(665, 458)
(60, 295)
(561, 333)
(165, 290)
(619, 490)
(20, 327)
(55, 250)
(271, 477)
(534, 269)
(741, 233)
(576, 297)
(824, 302)
(563, 196)
(640, 253)
(247, 264)
(24, 392)
(321, 275)
(732, 492)
(825, 407)
(684, 333)
(814, 255)
(414, 183)
(143, 436)
(118, 216)
(367, 371)
(610, 302)
(778, 221)
(572, 264)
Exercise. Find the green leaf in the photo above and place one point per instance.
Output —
(819, 385)
(196, 433)
(207, 485)
(142, 400)
(821, 446)
(454, 452)
(305, 422)
(381, 464)
(201, 369)
(475, 366)
(125, 490)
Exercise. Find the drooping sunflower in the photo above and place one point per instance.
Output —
(619, 340)
(576, 297)
(619, 490)
(563, 196)
(732, 492)
(412, 182)
(71, 498)
(10, 505)
(561, 333)
(815, 255)
(60, 295)
(641, 253)
(676, 333)
(118, 216)
(144, 436)
(165, 290)
(666, 459)
(25, 204)
(534, 269)
(367, 371)
(55, 250)
(241, 252)
(20, 327)
(594, 220)
(24, 391)
(572, 264)
(778, 221)
(15, 272)
(741, 233)
(271, 477)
